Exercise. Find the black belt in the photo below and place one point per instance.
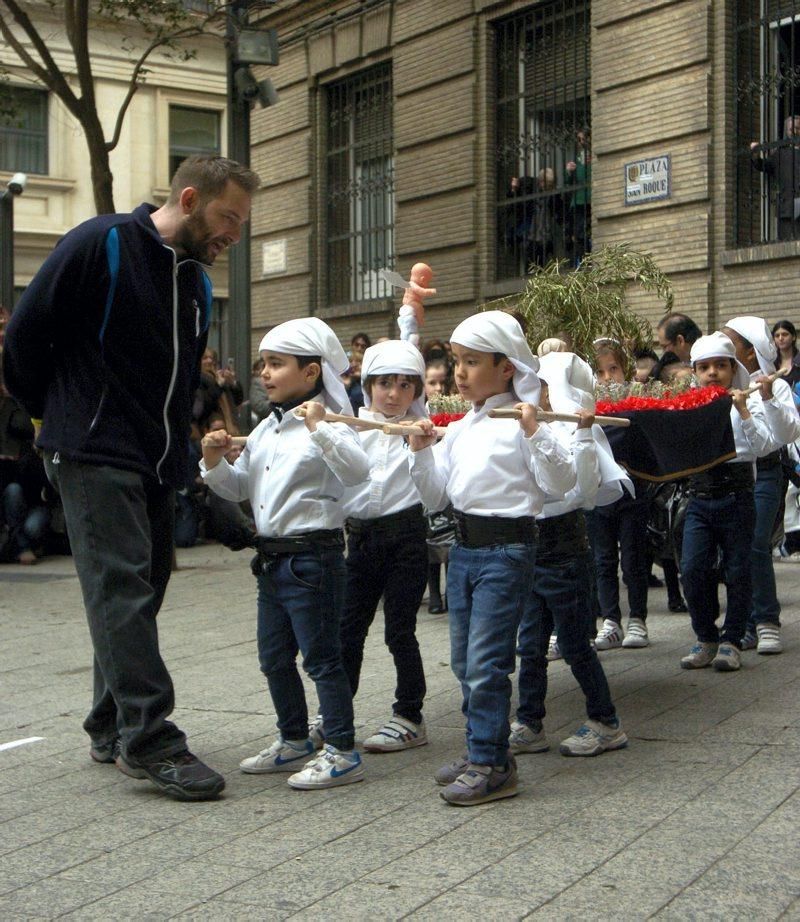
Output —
(394, 521)
(770, 461)
(297, 544)
(561, 535)
(490, 530)
(721, 481)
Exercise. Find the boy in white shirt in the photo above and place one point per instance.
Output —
(496, 474)
(756, 350)
(387, 555)
(294, 470)
(721, 514)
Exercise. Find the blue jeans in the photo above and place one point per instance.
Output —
(618, 533)
(727, 523)
(28, 526)
(300, 600)
(765, 607)
(487, 590)
(561, 599)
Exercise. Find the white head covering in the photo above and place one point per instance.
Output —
(497, 331)
(311, 336)
(719, 346)
(553, 344)
(756, 331)
(570, 383)
(395, 357)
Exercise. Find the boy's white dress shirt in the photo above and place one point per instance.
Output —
(580, 442)
(389, 488)
(489, 467)
(294, 479)
(780, 413)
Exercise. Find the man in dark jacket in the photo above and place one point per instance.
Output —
(782, 166)
(104, 349)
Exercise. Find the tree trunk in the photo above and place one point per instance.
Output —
(102, 177)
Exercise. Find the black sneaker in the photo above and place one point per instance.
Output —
(182, 776)
(677, 605)
(105, 753)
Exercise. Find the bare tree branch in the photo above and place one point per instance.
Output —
(76, 18)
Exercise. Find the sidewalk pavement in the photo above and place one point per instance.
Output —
(697, 818)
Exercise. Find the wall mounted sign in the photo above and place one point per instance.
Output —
(273, 257)
(648, 180)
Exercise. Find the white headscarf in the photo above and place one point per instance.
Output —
(395, 357)
(311, 336)
(719, 346)
(497, 331)
(756, 331)
(570, 384)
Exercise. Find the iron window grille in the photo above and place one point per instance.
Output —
(767, 104)
(359, 203)
(192, 131)
(543, 136)
(23, 131)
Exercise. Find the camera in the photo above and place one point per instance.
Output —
(17, 183)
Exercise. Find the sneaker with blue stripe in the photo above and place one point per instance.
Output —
(281, 756)
(329, 769)
(396, 734)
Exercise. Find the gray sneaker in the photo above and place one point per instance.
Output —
(316, 732)
(447, 774)
(728, 658)
(482, 783)
(525, 739)
(701, 655)
(593, 738)
(749, 641)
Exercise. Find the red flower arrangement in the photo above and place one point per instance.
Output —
(687, 400)
(444, 419)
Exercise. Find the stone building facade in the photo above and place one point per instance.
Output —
(449, 132)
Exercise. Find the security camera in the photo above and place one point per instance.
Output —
(17, 183)
(252, 90)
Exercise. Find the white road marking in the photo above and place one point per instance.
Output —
(15, 743)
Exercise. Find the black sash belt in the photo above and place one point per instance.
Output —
(388, 524)
(721, 480)
(490, 530)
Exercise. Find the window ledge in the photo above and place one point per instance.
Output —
(37, 181)
(356, 308)
(502, 288)
(765, 252)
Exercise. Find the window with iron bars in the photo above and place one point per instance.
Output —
(359, 186)
(767, 142)
(543, 137)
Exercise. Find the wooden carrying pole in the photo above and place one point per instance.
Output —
(546, 416)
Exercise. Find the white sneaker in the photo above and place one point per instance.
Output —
(728, 658)
(316, 732)
(636, 635)
(553, 653)
(329, 769)
(769, 638)
(593, 738)
(396, 734)
(525, 739)
(281, 756)
(609, 636)
(701, 655)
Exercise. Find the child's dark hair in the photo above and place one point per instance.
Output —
(616, 351)
(415, 380)
(305, 360)
(644, 354)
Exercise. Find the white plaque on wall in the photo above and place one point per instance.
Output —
(273, 257)
(648, 180)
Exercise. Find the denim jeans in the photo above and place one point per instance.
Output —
(394, 565)
(618, 532)
(120, 528)
(561, 599)
(28, 526)
(765, 606)
(487, 590)
(300, 599)
(726, 523)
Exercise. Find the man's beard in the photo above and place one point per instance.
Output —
(194, 237)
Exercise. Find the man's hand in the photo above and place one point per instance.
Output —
(586, 419)
(418, 442)
(528, 421)
(215, 445)
(740, 402)
(571, 166)
(314, 413)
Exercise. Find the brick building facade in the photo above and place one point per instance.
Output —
(444, 131)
